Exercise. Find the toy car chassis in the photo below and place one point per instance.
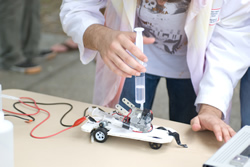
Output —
(158, 136)
(133, 124)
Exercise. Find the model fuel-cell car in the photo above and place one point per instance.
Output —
(133, 124)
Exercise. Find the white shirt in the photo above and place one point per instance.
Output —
(167, 56)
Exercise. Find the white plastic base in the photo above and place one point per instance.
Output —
(155, 136)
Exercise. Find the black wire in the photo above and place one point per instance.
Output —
(71, 107)
(14, 105)
(61, 120)
(6, 115)
(84, 113)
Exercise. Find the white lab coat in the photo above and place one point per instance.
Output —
(218, 53)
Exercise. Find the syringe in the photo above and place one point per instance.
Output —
(140, 80)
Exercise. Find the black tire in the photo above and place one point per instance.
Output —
(155, 146)
(100, 135)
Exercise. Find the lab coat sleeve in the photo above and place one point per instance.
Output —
(76, 16)
(227, 59)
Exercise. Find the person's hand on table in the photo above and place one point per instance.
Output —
(112, 46)
(209, 118)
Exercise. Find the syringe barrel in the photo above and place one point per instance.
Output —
(140, 80)
(140, 89)
(139, 41)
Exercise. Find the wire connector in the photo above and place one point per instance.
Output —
(29, 121)
(79, 121)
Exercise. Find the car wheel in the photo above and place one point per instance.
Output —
(100, 135)
(155, 146)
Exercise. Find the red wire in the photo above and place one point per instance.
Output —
(26, 105)
(31, 133)
(38, 110)
(127, 116)
(44, 137)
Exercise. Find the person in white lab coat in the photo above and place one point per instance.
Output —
(217, 51)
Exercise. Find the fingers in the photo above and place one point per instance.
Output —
(115, 69)
(114, 53)
(131, 47)
(231, 132)
(223, 132)
(132, 67)
(228, 133)
(147, 40)
(195, 124)
(218, 132)
(122, 63)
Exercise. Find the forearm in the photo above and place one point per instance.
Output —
(77, 16)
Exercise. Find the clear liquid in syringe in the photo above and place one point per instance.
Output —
(140, 94)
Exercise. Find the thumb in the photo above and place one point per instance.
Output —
(195, 124)
(148, 40)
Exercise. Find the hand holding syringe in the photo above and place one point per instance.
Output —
(140, 80)
(117, 49)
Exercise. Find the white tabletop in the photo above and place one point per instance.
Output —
(73, 148)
